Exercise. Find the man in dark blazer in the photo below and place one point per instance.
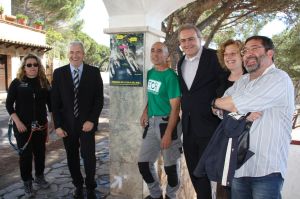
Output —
(78, 129)
(199, 76)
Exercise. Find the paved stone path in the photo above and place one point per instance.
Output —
(59, 178)
(3, 125)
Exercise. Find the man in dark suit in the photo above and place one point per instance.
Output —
(199, 76)
(77, 100)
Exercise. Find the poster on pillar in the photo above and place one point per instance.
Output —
(126, 59)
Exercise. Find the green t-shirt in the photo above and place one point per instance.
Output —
(162, 86)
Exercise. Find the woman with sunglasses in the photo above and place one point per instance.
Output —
(27, 98)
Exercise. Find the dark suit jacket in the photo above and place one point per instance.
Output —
(90, 97)
(197, 117)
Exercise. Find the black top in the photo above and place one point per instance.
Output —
(226, 84)
(28, 100)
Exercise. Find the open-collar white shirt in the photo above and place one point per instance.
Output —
(189, 68)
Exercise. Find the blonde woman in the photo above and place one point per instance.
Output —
(230, 58)
(27, 99)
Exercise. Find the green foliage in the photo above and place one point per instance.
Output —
(63, 26)
(287, 54)
(1, 9)
(95, 54)
(59, 38)
(21, 16)
(56, 13)
(242, 29)
(53, 36)
(38, 22)
(56, 40)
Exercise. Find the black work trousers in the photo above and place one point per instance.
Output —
(35, 150)
(193, 149)
(86, 142)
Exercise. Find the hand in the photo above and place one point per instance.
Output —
(166, 141)
(214, 110)
(87, 126)
(61, 133)
(217, 112)
(20, 126)
(254, 116)
(144, 119)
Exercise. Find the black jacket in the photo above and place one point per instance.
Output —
(28, 100)
(197, 117)
(90, 97)
(218, 163)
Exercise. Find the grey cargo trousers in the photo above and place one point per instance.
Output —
(150, 151)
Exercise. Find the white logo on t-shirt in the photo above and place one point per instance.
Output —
(153, 86)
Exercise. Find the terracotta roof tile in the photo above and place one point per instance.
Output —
(9, 43)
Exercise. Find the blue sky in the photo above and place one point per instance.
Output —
(96, 19)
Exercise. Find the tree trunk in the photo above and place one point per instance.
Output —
(215, 29)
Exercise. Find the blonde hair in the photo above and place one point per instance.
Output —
(41, 71)
(221, 50)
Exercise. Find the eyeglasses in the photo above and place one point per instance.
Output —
(30, 65)
(252, 49)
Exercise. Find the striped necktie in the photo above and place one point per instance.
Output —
(76, 84)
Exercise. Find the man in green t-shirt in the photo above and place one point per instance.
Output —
(160, 119)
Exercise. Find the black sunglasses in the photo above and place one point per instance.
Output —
(30, 65)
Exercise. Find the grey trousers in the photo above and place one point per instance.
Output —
(150, 151)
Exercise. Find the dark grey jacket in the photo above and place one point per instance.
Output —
(219, 163)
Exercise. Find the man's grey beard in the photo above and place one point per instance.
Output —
(254, 67)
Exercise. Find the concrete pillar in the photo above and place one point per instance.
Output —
(126, 106)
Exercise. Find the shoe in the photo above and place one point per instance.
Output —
(149, 197)
(78, 193)
(28, 189)
(41, 182)
(90, 194)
